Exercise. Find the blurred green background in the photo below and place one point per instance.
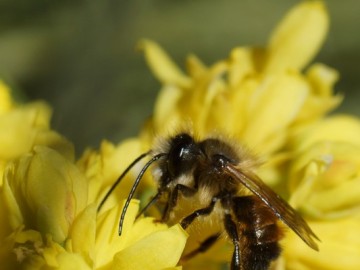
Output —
(80, 55)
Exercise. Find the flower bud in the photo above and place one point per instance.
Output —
(45, 192)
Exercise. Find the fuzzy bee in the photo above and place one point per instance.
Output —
(220, 176)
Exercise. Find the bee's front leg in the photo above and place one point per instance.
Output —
(173, 198)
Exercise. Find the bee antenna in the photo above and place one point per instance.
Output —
(136, 183)
(120, 178)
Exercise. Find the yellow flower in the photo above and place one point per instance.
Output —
(104, 166)
(255, 95)
(44, 191)
(264, 98)
(23, 126)
(327, 166)
(325, 185)
(146, 245)
(339, 247)
(54, 224)
(48, 203)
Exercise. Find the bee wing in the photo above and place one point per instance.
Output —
(280, 207)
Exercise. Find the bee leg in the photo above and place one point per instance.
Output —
(200, 212)
(171, 203)
(150, 203)
(203, 247)
(231, 229)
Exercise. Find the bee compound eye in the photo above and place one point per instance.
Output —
(219, 161)
(182, 155)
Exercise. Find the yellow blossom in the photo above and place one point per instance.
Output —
(327, 166)
(339, 247)
(324, 183)
(104, 166)
(54, 224)
(267, 99)
(256, 96)
(300, 36)
(45, 191)
(23, 126)
(142, 244)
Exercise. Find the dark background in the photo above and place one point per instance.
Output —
(80, 55)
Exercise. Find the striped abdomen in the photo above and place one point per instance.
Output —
(258, 232)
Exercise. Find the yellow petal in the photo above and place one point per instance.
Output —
(55, 141)
(298, 37)
(321, 99)
(347, 200)
(11, 206)
(272, 107)
(327, 170)
(339, 247)
(143, 227)
(71, 261)
(51, 252)
(159, 250)
(5, 98)
(82, 233)
(5, 228)
(323, 79)
(303, 190)
(195, 67)
(18, 128)
(166, 114)
(337, 128)
(104, 166)
(116, 158)
(241, 65)
(162, 66)
(108, 241)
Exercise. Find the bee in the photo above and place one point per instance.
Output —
(221, 176)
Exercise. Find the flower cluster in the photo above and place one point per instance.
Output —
(275, 103)
(48, 203)
(261, 97)
(267, 99)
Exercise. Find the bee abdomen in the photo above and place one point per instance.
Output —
(258, 251)
(259, 257)
(259, 233)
